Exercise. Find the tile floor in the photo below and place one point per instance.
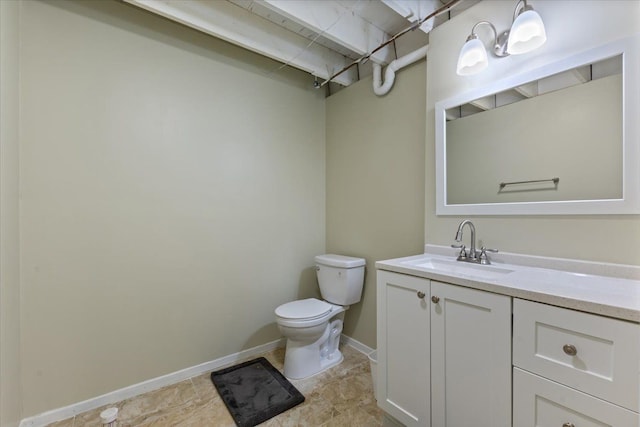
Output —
(341, 396)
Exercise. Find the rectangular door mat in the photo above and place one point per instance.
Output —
(255, 391)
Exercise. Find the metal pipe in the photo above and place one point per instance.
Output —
(413, 26)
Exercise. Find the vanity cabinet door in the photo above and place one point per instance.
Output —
(403, 347)
(470, 357)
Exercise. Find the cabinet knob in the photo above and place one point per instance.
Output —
(568, 425)
(420, 294)
(570, 350)
(435, 299)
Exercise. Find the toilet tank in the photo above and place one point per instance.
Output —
(340, 278)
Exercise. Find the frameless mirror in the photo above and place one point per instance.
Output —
(558, 140)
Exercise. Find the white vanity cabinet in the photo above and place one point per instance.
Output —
(573, 368)
(403, 347)
(444, 353)
(464, 344)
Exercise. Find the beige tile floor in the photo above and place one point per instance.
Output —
(339, 397)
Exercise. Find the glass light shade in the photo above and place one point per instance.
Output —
(473, 58)
(527, 33)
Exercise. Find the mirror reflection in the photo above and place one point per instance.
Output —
(555, 139)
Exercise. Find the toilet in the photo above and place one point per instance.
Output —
(313, 327)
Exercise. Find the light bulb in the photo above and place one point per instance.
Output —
(473, 57)
(527, 33)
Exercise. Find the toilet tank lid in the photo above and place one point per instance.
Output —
(341, 261)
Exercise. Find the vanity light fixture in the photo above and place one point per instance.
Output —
(526, 34)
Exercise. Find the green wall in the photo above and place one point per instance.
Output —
(375, 181)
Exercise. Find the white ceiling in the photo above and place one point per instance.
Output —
(321, 37)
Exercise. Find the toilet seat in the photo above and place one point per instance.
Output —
(304, 313)
(309, 308)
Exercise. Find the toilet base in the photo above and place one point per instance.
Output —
(303, 359)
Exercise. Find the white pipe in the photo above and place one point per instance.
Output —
(380, 88)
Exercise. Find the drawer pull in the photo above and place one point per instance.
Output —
(568, 425)
(435, 299)
(420, 294)
(570, 350)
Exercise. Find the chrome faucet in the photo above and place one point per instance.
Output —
(473, 255)
(472, 248)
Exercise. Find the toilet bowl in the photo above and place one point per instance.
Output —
(312, 336)
(312, 326)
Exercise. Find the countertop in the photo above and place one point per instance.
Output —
(614, 297)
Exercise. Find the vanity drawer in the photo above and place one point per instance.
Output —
(544, 403)
(606, 363)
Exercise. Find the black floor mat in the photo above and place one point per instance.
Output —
(255, 391)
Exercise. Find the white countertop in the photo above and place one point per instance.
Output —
(604, 295)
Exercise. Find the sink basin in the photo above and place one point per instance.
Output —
(459, 268)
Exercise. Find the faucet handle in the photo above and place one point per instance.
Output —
(463, 251)
(484, 259)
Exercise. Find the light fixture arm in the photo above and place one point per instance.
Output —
(499, 41)
(517, 12)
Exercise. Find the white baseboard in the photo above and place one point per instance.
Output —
(362, 348)
(146, 386)
(59, 414)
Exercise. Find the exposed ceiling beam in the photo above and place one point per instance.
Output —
(241, 27)
(486, 103)
(337, 23)
(528, 90)
(401, 8)
(568, 78)
(414, 10)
